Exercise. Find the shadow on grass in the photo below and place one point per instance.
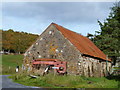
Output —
(113, 77)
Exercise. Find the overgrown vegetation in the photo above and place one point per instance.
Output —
(56, 81)
(9, 63)
(17, 42)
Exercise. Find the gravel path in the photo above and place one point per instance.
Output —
(8, 83)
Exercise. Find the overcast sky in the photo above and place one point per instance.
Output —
(34, 17)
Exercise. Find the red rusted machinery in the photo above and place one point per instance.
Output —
(56, 64)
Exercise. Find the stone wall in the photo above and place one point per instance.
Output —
(52, 44)
(92, 67)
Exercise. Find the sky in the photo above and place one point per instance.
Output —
(35, 17)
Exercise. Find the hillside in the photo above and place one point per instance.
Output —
(16, 42)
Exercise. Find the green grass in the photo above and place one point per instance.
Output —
(68, 81)
(9, 63)
(50, 80)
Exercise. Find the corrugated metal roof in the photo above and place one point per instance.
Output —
(83, 44)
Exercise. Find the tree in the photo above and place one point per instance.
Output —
(108, 38)
(17, 42)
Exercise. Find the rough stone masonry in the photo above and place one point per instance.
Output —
(82, 56)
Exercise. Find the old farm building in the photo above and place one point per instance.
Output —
(81, 54)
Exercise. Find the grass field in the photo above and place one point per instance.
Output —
(9, 62)
(68, 81)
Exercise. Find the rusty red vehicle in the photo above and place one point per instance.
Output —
(59, 66)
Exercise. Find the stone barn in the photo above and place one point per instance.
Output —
(83, 57)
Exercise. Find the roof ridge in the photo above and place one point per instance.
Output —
(67, 29)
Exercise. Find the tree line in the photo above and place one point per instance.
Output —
(17, 42)
(108, 37)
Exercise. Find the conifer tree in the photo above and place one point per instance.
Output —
(108, 38)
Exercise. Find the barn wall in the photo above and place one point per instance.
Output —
(92, 67)
(52, 44)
